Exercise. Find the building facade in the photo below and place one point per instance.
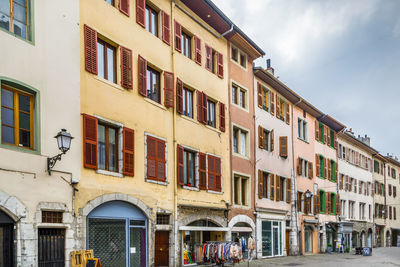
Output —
(379, 176)
(39, 97)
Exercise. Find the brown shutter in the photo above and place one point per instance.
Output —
(341, 181)
(316, 203)
(272, 185)
(128, 151)
(222, 117)
(218, 181)
(335, 140)
(278, 107)
(272, 103)
(126, 68)
(208, 58)
(278, 188)
(317, 130)
(310, 170)
(197, 44)
(359, 187)
(288, 190)
(204, 107)
(259, 95)
(336, 172)
(317, 165)
(178, 36)
(179, 96)
(299, 167)
(140, 12)
(283, 148)
(180, 166)
(142, 72)
(327, 202)
(161, 160)
(220, 64)
(329, 176)
(168, 89)
(89, 141)
(202, 171)
(337, 199)
(166, 31)
(328, 136)
(151, 157)
(325, 134)
(90, 37)
(260, 184)
(199, 106)
(287, 113)
(211, 172)
(124, 6)
(260, 137)
(272, 139)
(325, 167)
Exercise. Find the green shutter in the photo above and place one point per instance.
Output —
(333, 203)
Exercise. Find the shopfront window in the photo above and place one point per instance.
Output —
(271, 238)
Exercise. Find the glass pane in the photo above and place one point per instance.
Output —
(185, 167)
(24, 138)
(276, 241)
(19, 12)
(154, 23)
(21, 2)
(148, 86)
(7, 134)
(110, 64)
(147, 19)
(24, 103)
(24, 121)
(243, 143)
(190, 104)
(5, 7)
(191, 169)
(109, 1)
(4, 21)
(100, 60)
(137, 248)
(7, 116)
(7, 98)
(266, 238)
(101, 135)
(112, 150)
(185, 95)
(20, 29)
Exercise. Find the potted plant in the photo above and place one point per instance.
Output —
(330, 248)
(347, 249)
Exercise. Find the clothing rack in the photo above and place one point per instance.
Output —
(218, 253)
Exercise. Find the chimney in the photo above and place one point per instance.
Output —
(269, 68)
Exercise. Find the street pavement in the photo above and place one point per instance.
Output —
(380, 257)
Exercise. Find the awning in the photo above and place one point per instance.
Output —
(395, 229)
(242, 229)
(203, 228)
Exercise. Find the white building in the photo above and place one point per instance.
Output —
(40, 95)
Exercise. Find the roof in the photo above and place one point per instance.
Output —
(351, 138)
(393, 161)
(214, 17)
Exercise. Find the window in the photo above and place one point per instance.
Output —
(151, 20)
(283, 146)
(107, 147)
(331, 141)
(52, 216)
(111, 2)
(163, 218)
(106, 61)
(376, 166)
(241, 188)
(300, 201)
(234, 54)
(17, 109)
(153, 85)
(282, 110)
(390, 189)
(321, 132)
(238, 56)
(302, 130)
(189, 167)
(343, 208)
(239, 96)
(211, 113)
(393, 173)
(214, 173)
(268, 185)
(304, 168)
(187, 102)
(332, 170)
(362, 211)
(155, 159)
(394, 191)
(264, 98)
(240, 141)
(320, 165)
(186, 41)
(351, 209)
(14, 17)
(235, 90)
(282, 188)
(265, 139)
(322, 199)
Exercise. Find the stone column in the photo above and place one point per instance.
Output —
(294, 224)
(323, 243)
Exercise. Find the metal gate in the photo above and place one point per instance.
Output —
(51, 247)
(7, 245)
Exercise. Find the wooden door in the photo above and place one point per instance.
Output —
(287, 241)
(161, 255)
(51, 247)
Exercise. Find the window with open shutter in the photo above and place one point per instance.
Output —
(287, 113)
(180, 166)
(310, 170)
(179, 96)
(329, 170)
(204, 107)
(260, 137)
(272, 186)
(325, 167)
(316, 203)
(278, 106)
(90, 36)
(89, 141)
(202, 171)
(272, 103)
(166, 32)
(178, 36)
(317, 166)
(222, 117)
(278, 188)
(142, 81)
(168, 89)
(208, 58)
(299, 166)
(288, 190)
(126, 68)
(140, 12)
(260, 184)
(220, 65)
(259, 95)
(128, 151)
(272, 139)
(124, 6)
(283, 146)
(197, 44)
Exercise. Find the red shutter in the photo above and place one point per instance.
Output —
(220, 63)
(217, 174)
(160, 160)
(222, 117)
(168, 89)
(199, 106)
(140, 12)
(90, 49)
(202, 171)
(208, 58)
(89, 142)
(180, 165)
(128, 151)
(204, 108)
(142, 70)
(211, 172)
(166, 31)
(197, 44)
(178, 36)
(124, 6)
(151, 158)
(179, 96)
(126, 68)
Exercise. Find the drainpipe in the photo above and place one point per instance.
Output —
(386, 209)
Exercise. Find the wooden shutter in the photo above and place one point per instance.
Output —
(222, 117)
(327, 202)
(325, 167)
(204, 107)
(202, 171)
(140, 12)
(271, 134)
(218, 181)
(142, 72)
(126, 68)
(310, 170)
(220, 65)
(283, 147)
(328, 136)
(260, 184)
(287, 113)
(360, 187)
(338, 204)
(168, 89)
(89, 141)
(180, 165)
(336, 172)
(329, 176)
(197, 45)
(272, 103)
(259, 95)
(124, 6)
(179, 96)
(317, 165)
(341, 181)
(317, 130)
(299, 167)
(260, 137)
(166, 31)
(211, 172)
(128, 151)
(272, 185)
(161, 160)
(278, 107)
(288, 190)
(335, 144)
(316, 203)
(178, 36)
(90, 37)
(199, 106)
(278, 188)
(325, 134)
(151, 157)
(208, 58)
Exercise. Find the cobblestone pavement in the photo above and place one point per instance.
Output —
(380, 257)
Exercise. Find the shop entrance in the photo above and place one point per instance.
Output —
(241, 233)
(308, 239)
(6, 240)
(272, 244)
(51, 247)
(161, 254)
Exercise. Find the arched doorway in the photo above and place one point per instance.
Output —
(117, 233)
(241, 232)
(369, 238)
(308, 239)
(388, 238)
(6, 240)
(362, 239)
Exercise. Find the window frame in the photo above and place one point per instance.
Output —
(322, 207)
(151, 179)
(29, 21)
(149, 81)
(148, 12)
(106, 45)
(195, 153)
(185, 94)
(238, 60)
(302, 129)
(213, 122)
(241, 177)
(186, 36)
(239, 130)
(236, 97)
(117, 129)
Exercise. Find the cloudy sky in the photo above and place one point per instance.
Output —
(343, 56)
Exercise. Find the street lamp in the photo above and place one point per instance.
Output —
(308, 194)
(64, 143)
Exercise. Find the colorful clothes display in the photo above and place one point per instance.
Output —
(218, 252)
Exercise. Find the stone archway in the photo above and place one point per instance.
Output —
(195, 217)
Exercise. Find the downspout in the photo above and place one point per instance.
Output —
(254, 164)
